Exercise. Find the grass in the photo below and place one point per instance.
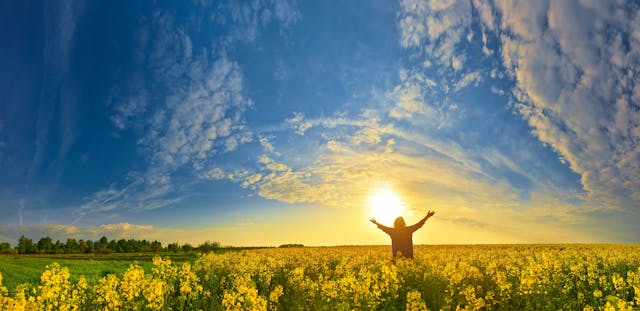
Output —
(19, 269)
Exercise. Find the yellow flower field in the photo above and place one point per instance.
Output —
(477, 277)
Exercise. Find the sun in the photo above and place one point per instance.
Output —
(386, 205)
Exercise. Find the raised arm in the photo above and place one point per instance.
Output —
(420, 223)
(384, 228)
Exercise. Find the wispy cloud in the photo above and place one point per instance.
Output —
(436, 28)
(268, 146)
(201, 117)
(57, 96)
(246, 20)
(298, 123)
(60, 27)
(468, 79)
(129, 108)
(198, 103)
(138, 192)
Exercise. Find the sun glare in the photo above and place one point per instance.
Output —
(386, 205)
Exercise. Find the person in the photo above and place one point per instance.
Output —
(402, 235)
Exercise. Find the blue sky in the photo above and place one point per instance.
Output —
(270, 122)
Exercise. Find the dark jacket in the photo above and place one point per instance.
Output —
(402, 238)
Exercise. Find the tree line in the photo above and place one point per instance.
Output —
(46, 245)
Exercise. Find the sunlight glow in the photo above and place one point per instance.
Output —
(385, 206)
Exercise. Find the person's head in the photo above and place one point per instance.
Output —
(399, 223)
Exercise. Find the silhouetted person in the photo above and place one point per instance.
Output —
(401, 235)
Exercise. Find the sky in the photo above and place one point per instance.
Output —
(272, 122)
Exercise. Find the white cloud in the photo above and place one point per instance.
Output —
(129, 108)
(199, 116)
(497, 91)
(525, 19)
(408, 101)
(247, 19)
(123, 227)
(268, 146)
(442, 34)
(214, 173)
(271, 164)
(286, 13)
(251, 180)
(470, 78)
(299, 123)
(436, 28)
(577, 75)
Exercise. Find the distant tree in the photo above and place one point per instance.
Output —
(133, 246)
(58, 247)
(187, 247)
(5, 248)
(104, 246)
(90, 246)
(82, 246)
(173, 247)
(45, 245)
(72, 246)
(141, 246)
(208, 246)
(122, 246)
(156, 246)
(290, 245)
(25, 246)
(112, 246)
(101, 245)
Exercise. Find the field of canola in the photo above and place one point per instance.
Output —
(476, 277)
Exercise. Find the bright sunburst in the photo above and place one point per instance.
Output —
(386, 205)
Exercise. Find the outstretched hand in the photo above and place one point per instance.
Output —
(431, 213)
(373, 220)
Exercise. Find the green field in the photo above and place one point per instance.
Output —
(19, 269)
